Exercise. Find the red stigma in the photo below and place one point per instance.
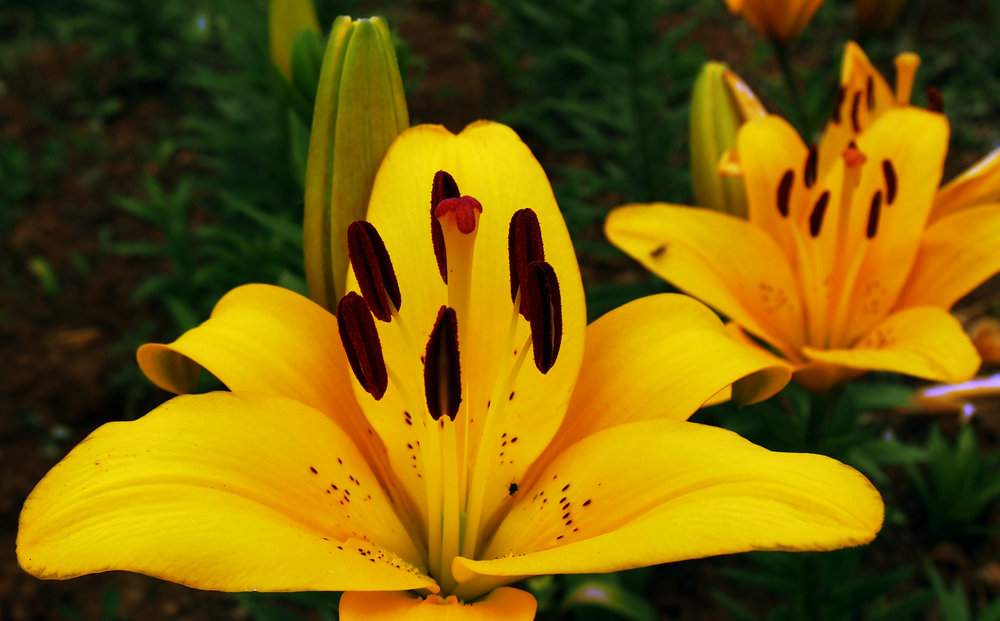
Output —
(464, 209)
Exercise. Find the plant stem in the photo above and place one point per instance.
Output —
(821, 410)
(802, 119)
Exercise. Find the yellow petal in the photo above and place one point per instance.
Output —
(221, 491)
(957, 253)
(503, 604)
(725, 262)
(661, 490)
(267, 339)
(662, 356)
(979, 184)
(490, 163)
(922, 341)
(768, 149)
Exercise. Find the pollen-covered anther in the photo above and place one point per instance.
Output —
(809, 171)
(935, 103)
(361, 344)
(373, 269)
(442, 371)
(891, 181)
(541, 289)
(461, 212)
(818, 211)
(443, 187)
(524, 247)
(855, 116)
(873, 215)
(785, 192)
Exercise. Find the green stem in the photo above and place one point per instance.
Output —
(802, 118)
(821, 410)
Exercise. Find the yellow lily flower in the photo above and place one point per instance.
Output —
(776, 20)
(836, 269)
(478, 441)
(864, 95)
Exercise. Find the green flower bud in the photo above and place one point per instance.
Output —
(720, 103)
(285, 19)
(360, 108)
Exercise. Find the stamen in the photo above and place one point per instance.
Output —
(809, 173)
(361, 344)
(838, 102)
(465, 210)
(819, 210)
(873, 214)
(870, 93)
(889, 172)
(444, 187)
(373, 269)
(541, 288)
(935, 103)
(442, 373)
(785, 192)
(855, 120)
(524, 247)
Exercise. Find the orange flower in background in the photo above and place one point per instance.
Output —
(776, 20)
(836, 268)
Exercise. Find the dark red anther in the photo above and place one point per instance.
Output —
(855, 119)
(524, 247)
(541, 289)
(873, 214)
(809, 171)
(785, 192)
(935, 103)
(819, 210)
(373, 269)
(870, 93)
(442, 372)
(362, 345)
(444, 187)
(463, 208)
(891, 182)
(838, 102)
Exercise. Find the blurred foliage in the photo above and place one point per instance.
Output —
(958, 485)
(826, 586)
(601, 86)
(953, 602)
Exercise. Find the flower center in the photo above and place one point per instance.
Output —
(455, 465)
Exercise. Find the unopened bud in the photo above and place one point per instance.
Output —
(360, 109)
(720, 104)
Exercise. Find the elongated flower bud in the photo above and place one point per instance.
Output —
(286, 19)
(779, 22)
(360, 109)
(720, 103)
